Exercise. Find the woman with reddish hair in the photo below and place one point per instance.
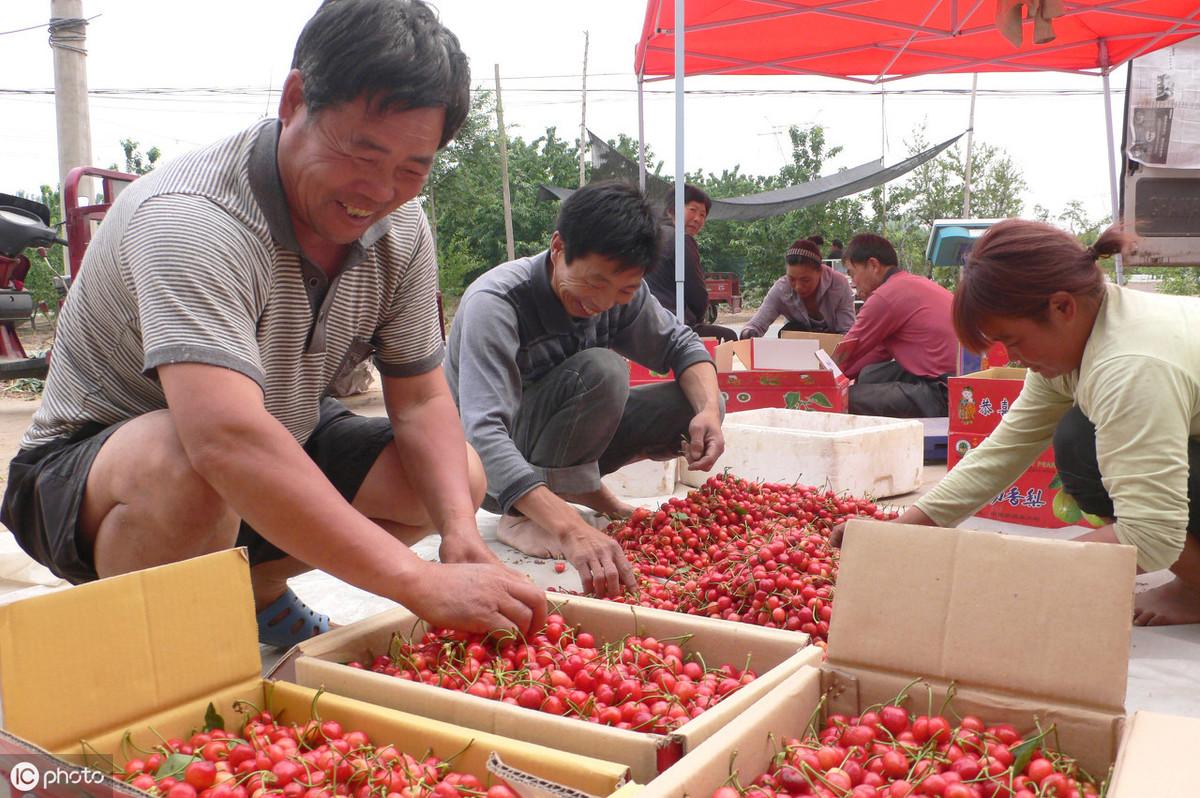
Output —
(1113, 383)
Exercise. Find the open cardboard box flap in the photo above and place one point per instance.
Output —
(998, 373)
(921, 600)
(121, 648)
(775, 354)
(1155, 757)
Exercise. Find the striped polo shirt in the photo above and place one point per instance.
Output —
(197, 262)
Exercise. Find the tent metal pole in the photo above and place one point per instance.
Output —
(680, 25)
(1113, 163)
(883, 154)
(641, 135)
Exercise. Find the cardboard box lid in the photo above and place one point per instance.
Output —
(1032, 617)
(775, 354)
(1153, 756)
(996, 373)
(85, 660)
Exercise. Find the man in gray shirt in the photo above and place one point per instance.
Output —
(535, 363)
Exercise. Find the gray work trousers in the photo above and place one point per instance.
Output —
(582, 420)
(886, 389)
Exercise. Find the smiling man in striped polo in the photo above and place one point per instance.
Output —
(224, 292)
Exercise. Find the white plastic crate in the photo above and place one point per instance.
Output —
(865, 455)
(643, 479)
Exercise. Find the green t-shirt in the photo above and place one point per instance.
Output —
(1139, 384)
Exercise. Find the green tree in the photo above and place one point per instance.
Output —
(136, 161)
(935, 190)
(40, 280)
(754, 250)
(1180, 280)
(464, 196)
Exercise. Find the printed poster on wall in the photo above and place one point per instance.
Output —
(1163, 114)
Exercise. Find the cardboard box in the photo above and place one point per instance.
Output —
(146, 652)
(772, 653)
(1028, 501)
(780, 372)
(640, 375)
(1023, 628)
(1036, 499)
(1156, 758)
(828, 341)
(978, 401)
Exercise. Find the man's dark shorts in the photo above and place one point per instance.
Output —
(46, 485)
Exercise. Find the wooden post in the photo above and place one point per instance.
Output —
(508, 231)
(583, 136)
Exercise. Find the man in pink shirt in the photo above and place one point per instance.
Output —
(901, 349)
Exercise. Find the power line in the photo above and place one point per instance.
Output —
(253, 91)
(42, 25)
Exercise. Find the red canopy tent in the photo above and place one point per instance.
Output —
(874, 41)
(879, 40)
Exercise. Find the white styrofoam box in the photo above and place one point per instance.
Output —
(865, 455)
(643, 478)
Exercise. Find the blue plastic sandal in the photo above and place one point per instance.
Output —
(287, 621)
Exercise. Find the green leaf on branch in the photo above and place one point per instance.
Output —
(1023, 753)
(174, 766)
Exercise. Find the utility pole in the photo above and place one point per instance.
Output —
(68, 40)
(970, 142)
(583, 137)
(508, 233)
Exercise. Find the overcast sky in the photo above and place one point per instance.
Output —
(1057, 140)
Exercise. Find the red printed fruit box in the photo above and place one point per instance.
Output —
(978, 401)
(977, 404)
(780, 372)
(640, 375)
(1037, 497)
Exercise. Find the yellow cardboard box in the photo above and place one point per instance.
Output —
(773, 653)
(146, 652)
(1024, 628)
(1157, 758)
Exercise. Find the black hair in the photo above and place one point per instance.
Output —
(836, 243)
(696, 194)
(395, 53)
(611, 219)
(868, 245)
(803, 252)
(818, 239)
